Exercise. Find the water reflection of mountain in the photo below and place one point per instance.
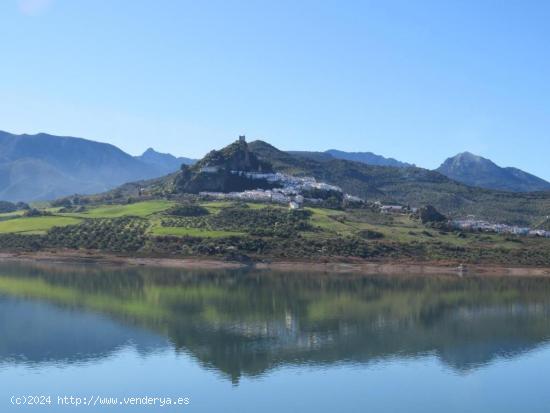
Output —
(35, 332)
(249, 322)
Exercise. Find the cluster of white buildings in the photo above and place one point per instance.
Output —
(258, 195)
(394, 209)
(472, 224)
(290, 192)
(291, 185)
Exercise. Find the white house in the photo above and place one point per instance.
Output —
(387, 209)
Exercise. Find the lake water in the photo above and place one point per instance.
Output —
(250, 341)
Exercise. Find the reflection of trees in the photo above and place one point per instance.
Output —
(249, 322)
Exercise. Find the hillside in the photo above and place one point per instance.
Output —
(42, 167)
(216, 171)
(477, 171)
(412, 186)
(188, 226)
(367, 157)
(316, 156)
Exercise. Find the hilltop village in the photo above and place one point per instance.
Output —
(235, 173)
(289, 190)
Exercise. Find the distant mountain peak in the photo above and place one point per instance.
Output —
(43, 166)
(367, 158)
(469, 156)
(165, 162)
(475, 170)
(152, 153)
(466, 154)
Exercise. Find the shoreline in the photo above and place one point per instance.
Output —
(351, 265)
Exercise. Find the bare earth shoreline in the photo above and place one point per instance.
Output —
(357, 266)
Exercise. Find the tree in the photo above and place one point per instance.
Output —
(429, 214)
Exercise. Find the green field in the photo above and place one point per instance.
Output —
(215, 206)
(138, 209)
(15, 222)
(35, 225)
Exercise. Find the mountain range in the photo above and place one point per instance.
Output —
(465, 168)
(368, 158)
(42, 166)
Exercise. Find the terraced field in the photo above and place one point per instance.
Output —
(35, 225)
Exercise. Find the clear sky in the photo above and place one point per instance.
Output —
(415, 80)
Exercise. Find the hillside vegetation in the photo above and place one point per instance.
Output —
(167, 217)
(413, 186)
(253, 231)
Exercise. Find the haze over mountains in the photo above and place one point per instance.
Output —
(43, 166)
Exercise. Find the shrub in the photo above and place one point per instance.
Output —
(187, 210)
(429, 214)
(33, 212)
(6, 206)
(369, 234)
(119, 235)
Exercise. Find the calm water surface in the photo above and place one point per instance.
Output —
(249, 341)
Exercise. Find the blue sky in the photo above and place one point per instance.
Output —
(415, 80)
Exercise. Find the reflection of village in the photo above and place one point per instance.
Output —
(281, 334)
(247, 323)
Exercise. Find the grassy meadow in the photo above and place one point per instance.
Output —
(138, 209)
(35, 225)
